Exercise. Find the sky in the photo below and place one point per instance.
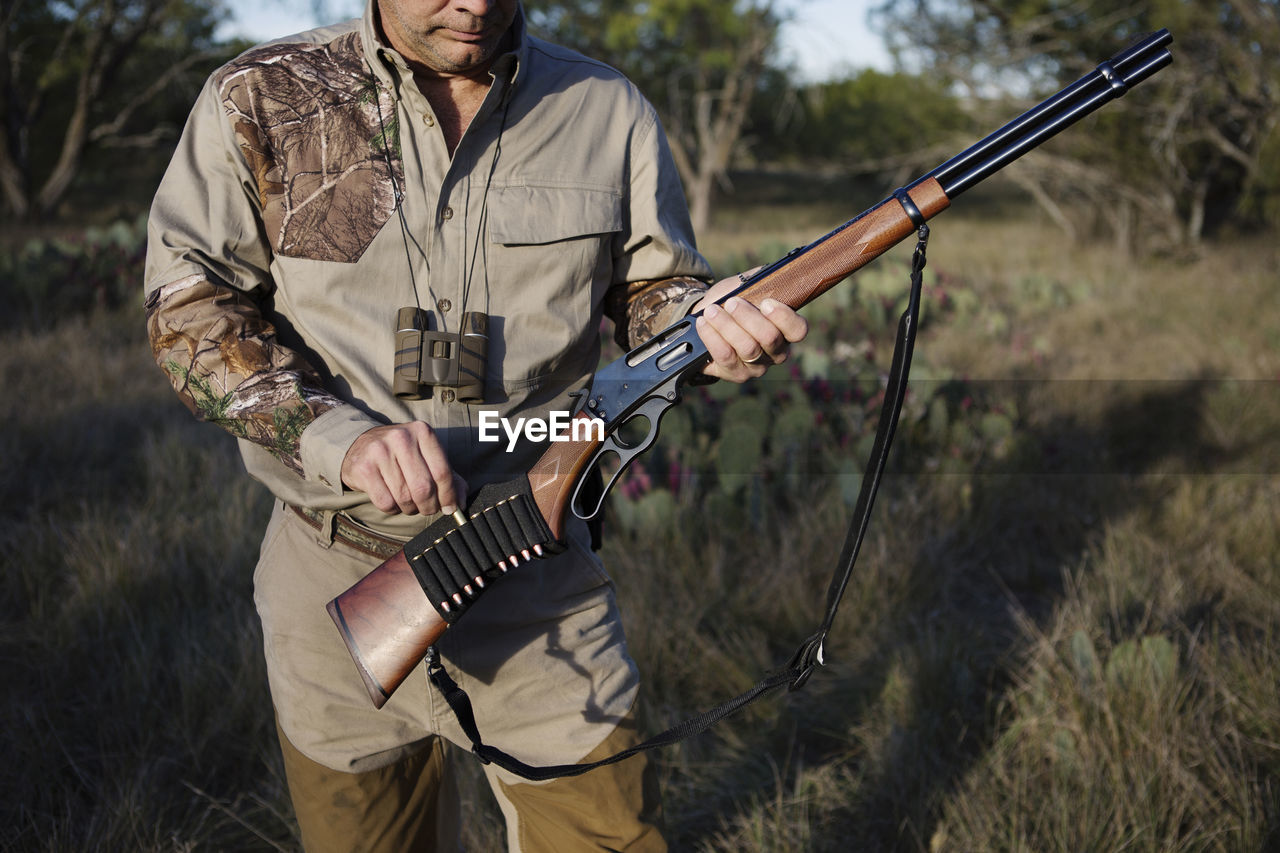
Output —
(829, 37)
(824, 39)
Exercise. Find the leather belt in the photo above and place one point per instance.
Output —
(350, 534)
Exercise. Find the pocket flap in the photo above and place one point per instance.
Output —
(531, 214)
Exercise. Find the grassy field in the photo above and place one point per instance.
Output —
(1062, 636)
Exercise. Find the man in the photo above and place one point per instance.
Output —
(433, 155)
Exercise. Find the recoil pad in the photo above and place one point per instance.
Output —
(502, 522)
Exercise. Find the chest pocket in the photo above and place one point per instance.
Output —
(533, 215)
(552, 249)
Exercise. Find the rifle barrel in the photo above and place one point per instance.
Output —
(1108, 81)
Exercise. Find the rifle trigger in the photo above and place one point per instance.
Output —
(579, 398)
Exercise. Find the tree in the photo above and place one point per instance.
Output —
(83, 74)
(870, 122)
(699, 61)
(1182, 155)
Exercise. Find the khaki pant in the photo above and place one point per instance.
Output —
(544, 660)
(413, 805)
(542, 655)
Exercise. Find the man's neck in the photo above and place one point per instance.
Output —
(455, 100)
(455, 97)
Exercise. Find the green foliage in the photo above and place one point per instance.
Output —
(863, 121)
(654, 43)
(211, 405)
(1191, 151)
(1148, 666)
(49, 279)
(96, 94)
(289, 422)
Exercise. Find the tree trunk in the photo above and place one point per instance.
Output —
(699, 191)
(13, 186)
(1195, 213)
(703, 141)
(64, 171)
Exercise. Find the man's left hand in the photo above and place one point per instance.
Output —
(745, 340)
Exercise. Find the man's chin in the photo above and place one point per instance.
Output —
(460, 57)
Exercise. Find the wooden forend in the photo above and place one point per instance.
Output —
(847, 249)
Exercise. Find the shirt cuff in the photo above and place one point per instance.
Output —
(684, 307)
(325, 443)
(671, 312)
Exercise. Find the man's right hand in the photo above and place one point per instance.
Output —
(403, 469)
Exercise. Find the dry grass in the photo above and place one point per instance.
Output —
(1071, 648)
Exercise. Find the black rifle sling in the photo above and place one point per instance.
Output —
(809, 655)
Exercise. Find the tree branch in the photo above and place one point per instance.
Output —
(104, 132)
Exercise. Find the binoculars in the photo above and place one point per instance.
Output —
(425, 359)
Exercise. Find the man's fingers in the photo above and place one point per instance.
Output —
(755, 338)
(720, 350)
(726, 362)
(419, 494)
(402, 471)
(459, 491)
(387, 488)
(724, 286)
(380, 495)
(403, 468)
(744, 340)
(431, 478)
(369, 467)
(401, 486)
(792, 325)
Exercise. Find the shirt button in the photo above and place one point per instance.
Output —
(447, 214)
(446, 396)
(429, 119)
(444, 305)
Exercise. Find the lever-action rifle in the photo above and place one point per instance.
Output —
(391, 617)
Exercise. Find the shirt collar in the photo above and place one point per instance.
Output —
(390, 67)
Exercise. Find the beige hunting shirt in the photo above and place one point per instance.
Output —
(277, 259)
(312, 193)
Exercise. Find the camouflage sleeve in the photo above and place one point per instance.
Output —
(223, 359)
(641, 309)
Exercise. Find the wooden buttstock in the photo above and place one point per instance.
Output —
(386, 619)
(388, 624)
